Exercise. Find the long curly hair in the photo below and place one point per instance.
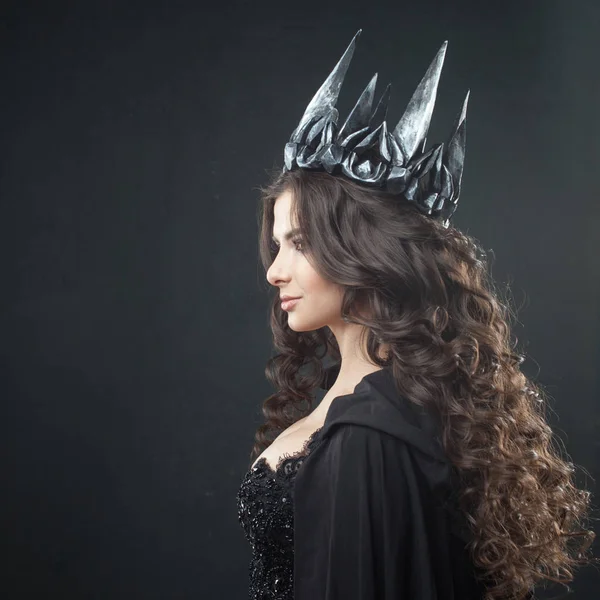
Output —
(428, 294)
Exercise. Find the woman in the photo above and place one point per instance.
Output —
(428, 470)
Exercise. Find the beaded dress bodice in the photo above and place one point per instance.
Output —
(266, 514)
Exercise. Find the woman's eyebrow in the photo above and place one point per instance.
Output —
(289, 235)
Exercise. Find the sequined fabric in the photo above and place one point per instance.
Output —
(265, 512)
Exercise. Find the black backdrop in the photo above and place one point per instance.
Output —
(133, 329)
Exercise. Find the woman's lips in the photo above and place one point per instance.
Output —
(288, 304)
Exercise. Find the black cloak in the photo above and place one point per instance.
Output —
(375, 514)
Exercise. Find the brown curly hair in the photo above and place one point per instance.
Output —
(429, 296)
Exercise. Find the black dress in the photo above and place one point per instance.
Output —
(265, 512)
(365, 511)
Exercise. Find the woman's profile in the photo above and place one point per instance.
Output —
(428, 470)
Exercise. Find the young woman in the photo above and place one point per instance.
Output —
(428, 469)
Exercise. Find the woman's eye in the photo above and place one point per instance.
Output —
(275, 246)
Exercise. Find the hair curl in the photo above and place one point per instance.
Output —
(430, 297)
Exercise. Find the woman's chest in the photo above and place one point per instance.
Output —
(292, 442)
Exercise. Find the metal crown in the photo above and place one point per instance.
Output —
(364, 150)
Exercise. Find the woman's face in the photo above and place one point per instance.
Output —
(320, 300)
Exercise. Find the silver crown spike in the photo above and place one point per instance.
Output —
(326, 97)
(455, 151)
(361, 113)
(414, 123)
(380, 113)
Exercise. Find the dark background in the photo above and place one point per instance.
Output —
(133, 324)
